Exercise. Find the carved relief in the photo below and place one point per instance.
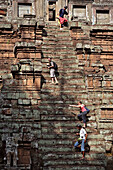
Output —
(11, 151)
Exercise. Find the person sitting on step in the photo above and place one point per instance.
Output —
(83, 112)
(53, 67)
(81, 140)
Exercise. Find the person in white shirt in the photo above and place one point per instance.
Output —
(51, 66)
(81, 140)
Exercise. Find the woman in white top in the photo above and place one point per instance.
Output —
(82, 139)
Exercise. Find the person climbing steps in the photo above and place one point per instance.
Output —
(53, 68)
(83, 112)
(61, 18)
(81, 140)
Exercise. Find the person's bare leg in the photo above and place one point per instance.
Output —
(56, 80)
(52, 80)
(83, 154)
(61, 27)
(84, 125)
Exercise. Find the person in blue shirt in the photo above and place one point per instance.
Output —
(61, 18)
(63, 11)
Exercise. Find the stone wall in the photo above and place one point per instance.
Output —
(20, 82)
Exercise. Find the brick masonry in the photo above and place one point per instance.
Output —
(37, 126)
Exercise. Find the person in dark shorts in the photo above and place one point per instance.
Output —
(83, 112)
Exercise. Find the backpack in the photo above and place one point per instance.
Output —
(55, 66)
(79, 140)
(87, 109)
(61, 12)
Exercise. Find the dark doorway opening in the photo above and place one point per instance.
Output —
(52, 11)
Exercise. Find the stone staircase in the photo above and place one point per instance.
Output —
(58, 123)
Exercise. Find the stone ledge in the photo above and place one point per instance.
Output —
(107, 107)
(5, 26)
(102, 27)
(106, 121)
(25, 44)
(28, 22)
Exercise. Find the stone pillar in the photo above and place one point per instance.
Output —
(70, 11)
(62, 3)
(34, 8)
(66, 3)
(111, 15)
(88, 12)
(46, 10)
(15, 5)
(93, 16)
(40, 8)
(58, 7)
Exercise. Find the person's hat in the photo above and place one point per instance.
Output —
(65, 7)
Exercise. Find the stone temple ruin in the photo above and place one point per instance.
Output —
(37, 126)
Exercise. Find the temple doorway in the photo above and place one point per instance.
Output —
(52, 10)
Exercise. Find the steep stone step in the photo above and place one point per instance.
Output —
(58, 38)
(62, 60)
(57, 42)
(70, 167)
(96, 136)
(48, 23)
(68, 77)
(93, 156)
(51, 42)
(74, 163)
(57, 57)
(60, 52)
(63, 64)
(97, 149)
(59, 48)
(65, 91)
(58, 34)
